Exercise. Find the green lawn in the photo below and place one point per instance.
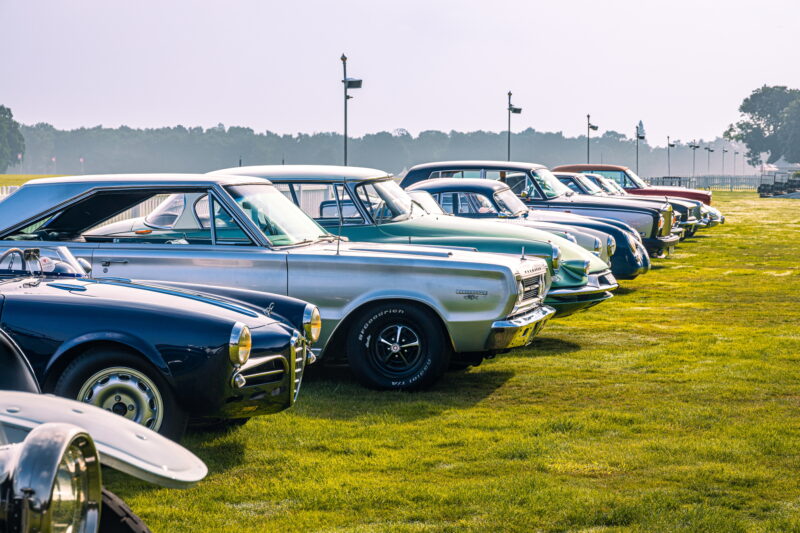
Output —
(674, 406)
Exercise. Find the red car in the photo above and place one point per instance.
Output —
(632, 183)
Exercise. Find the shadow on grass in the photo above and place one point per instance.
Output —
(624, 290)
(332, 393)
(542, 346)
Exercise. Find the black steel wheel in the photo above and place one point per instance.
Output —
(397, 346)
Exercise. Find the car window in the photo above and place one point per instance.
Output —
(475, 204)
(617, 175)
(456, 173)
(520, 183)
(569, 182)
(323, 203)
(227, 229)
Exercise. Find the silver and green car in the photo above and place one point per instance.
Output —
(368, 205)
(398, 314)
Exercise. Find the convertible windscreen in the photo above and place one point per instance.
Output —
(551, 187)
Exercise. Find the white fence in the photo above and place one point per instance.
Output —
(723, 183)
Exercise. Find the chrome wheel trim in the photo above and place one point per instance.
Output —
(126, 392)
(397, 350)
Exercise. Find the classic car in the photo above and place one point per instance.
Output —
(597, 242)
(51, 450)
(365, 204)
(151, 353)
(632, 183)
(234, 235)
(688, 213)
(494, 200)
(539, 189)
(708, 218)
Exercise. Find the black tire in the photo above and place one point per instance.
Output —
(400, 364)
(173, 418)
(117, 517)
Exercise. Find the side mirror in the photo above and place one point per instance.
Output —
(87, 267)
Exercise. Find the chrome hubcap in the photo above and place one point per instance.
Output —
(126, 392)
(397, 349)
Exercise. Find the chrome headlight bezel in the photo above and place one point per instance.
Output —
(555, 258)
(48, 454)
(240, 344)
(312, 323)
(611, 245)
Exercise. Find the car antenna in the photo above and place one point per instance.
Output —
(339, 208)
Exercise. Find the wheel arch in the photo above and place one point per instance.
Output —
(72, 349)
(338, 339)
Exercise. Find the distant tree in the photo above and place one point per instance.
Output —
(771, 124)
(11, 140)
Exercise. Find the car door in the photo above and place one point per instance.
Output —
(218, 253)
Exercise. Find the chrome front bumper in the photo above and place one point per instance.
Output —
(597, 283)
(519, 330)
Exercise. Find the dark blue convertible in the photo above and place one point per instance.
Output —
(153, 353)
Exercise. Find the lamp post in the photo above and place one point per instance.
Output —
(669, 165)
(515, 110)
(735, 153)
(724, 151)
(349, 83)
(639, 136)
(709, 150)
(589, 129)
(694, 146)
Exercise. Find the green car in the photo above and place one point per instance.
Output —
(368, 205)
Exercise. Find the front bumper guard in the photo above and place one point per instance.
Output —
(518, 331)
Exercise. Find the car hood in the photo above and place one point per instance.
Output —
(437, 226)
(603, 202)
(123, 444)
(138, 296)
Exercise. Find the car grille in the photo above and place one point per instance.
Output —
(533, 287)
(300, 351)
(270, 371)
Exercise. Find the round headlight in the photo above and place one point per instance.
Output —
(312, 323)
(598, 245)
(586, 265)
(556, 258)
(240, 344)
(611, 245)
(58, 479)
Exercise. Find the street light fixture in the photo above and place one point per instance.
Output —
(639, 137)
(515, 110)
(349, 83)
(724, 151)
(694, 146)
(589, 129)
(709, 150)
(669, 165)
(735, 153)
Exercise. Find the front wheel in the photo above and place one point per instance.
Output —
(117, 517)
(397, 346)
(121, 382)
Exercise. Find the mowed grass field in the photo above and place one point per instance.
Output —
(673, 407)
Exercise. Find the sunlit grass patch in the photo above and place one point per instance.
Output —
(672, 407)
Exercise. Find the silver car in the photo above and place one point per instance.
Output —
(397, 313)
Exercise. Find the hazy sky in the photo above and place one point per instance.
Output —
(682, 67)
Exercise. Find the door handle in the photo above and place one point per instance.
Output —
(107, 262)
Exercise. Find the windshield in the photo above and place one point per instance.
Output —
(636, 179)
(612, 186)
(427, 202)
(509, 203)
(589, 185)
(167, 213)
(386, 202)
(549, 184)
(282, 222)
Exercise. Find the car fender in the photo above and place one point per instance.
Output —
(71, 346)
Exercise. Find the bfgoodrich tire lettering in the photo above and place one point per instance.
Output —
(397, 346)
